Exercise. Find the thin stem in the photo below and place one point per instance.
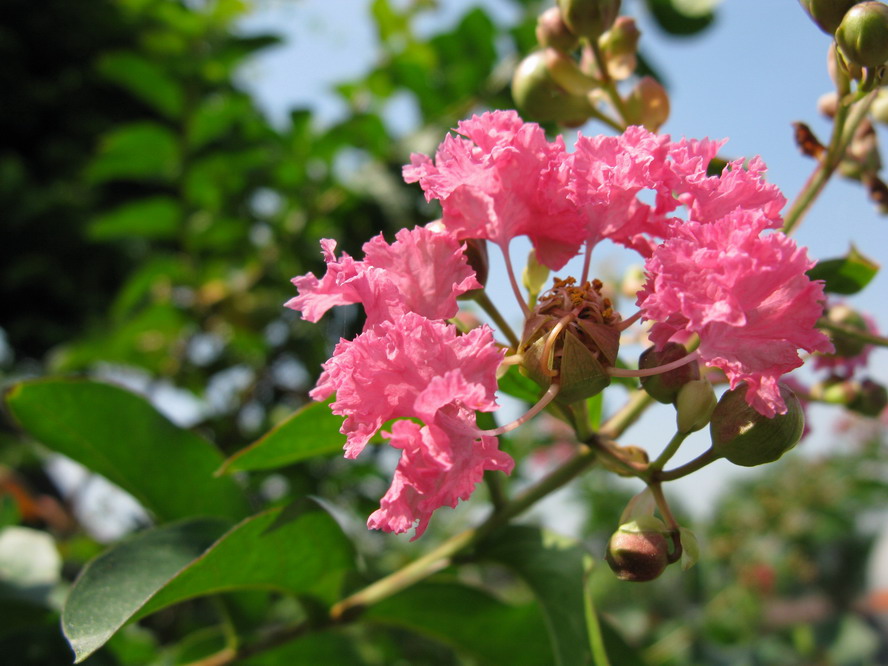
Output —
(512, 281)
(699, 462)
(495, 488)
(488, 306)
(541, 404)
(617, 424)
(550, 342)
(669, 451)
(626, 323)
(861, 336)
(844, 125)
(593, 627)
(587, 262)
(658, 370)
(607, 83)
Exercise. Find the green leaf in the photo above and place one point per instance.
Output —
(115, 585)
(137, 151)
(215, 117)
(145, 80)
(312, 431)
(683, 17)
(690, 549)
(304, 554)
(122, 437)
(470, 620)
(152, 217)
(845, 275)
(553, 567)
(518, 385)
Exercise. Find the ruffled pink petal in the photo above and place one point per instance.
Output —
(747, 296)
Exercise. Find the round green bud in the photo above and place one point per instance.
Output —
(637, 556)
(552, 31)
(665, 386)
(827, 14)
(862, 36)
(694, 405)
(540, 97)
(647, 104)
(743, 436)
(589, 18)
(870, 400)
(846, 345)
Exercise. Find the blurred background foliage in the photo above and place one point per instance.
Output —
(152, 219)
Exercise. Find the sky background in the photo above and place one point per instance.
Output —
(758, 69)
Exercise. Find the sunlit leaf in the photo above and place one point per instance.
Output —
(845, 275)
(311, 431)
(121, 436)
(144, 79)
(683, 17)
(152, 217)
(138, 151)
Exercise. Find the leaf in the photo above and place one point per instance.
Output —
(683, 17)
(470, 620)
(553, 567)
(517, 385)
(845, 275)
(215, 117)
(312, 431)
(145, 80)
(305, 555)
(115, 585)
(151, 217)
(137, 151)
(124, 438)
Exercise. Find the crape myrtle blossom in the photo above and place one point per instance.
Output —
(715, 269)
(745, 294)
(407, 363)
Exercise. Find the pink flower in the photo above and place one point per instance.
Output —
(441, 464)
(499, 180)
(747, 296)
(412, 367)
(423, 271)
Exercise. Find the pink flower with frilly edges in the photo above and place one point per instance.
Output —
(423, 271)
(412, 367)
(500, 179)
(746, 295)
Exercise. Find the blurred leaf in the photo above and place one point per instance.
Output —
(845, 275)
(519, 386)
(122, 437)
(137, 151)
(683, 17)
(552, 567)
(144, 79)
(312, 431)
(152, 217)
(470, 620)
(115, 585)
(215, 117)
(329, 648)
(303, 553)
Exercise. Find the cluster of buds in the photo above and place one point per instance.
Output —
(860, 30)
(585, 47)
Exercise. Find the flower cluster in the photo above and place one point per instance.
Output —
(716, 269)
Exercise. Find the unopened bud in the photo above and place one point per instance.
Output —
(835, 391)
(648, 104)
(862, 36)
(694, 405)
(619, 46)
(540, 97)
(665, 386)
(589, 18)
(535, 274)
(637, 555)
(846, 346)
(827, 14)
(743, 436)
(552, 31)
(828, 104)
(870, 400)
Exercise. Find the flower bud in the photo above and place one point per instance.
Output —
(619, 46)
(827, 14)
(636, 554)
(665, 386)
(845, 345)
(589, 18)
(540, 97)
(694, 405)
(862, 36)
(745, 437)
(870, 400)
(552, 32)
(535, 274)
(647, 104)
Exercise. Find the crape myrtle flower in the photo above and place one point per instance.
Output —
(745, 294)
(409, 364)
